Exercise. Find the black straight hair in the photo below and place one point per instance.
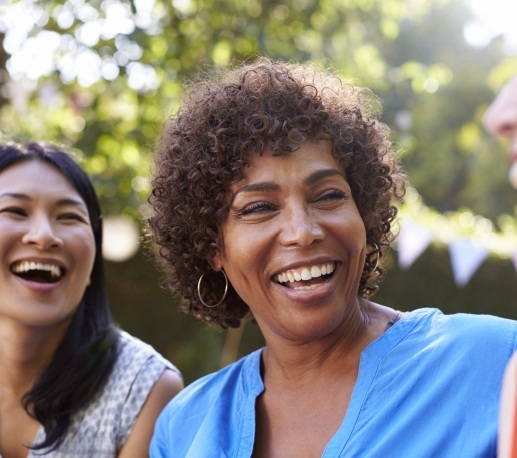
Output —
(85, 357)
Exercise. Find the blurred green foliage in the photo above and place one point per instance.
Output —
(101, 76)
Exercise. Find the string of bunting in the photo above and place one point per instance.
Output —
(470, 238)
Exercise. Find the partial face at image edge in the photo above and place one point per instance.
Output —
(500, 120)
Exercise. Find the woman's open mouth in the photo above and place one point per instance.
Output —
(38, 272)
(306, 277)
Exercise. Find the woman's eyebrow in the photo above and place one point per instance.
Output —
(263, 186)
(321, 174)
(271, 186)
(15, 195)
(60, 202)
(70, 201)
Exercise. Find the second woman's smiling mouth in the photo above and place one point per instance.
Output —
(305, 276)
(38, 271)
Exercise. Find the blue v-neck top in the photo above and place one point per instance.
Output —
(428, 387)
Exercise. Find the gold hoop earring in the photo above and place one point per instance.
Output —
(377, 252)
(224, 295)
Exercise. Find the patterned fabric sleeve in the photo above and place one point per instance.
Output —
(100, 430)
(139, 367)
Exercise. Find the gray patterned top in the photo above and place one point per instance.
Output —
(100, 430)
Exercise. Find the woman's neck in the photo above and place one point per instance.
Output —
(24, 353)
(337, 354)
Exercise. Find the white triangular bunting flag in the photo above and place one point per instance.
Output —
(412, 241)
(466, 257)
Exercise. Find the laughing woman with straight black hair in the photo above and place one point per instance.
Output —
(72, 384)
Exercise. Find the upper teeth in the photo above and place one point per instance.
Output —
(305, 273)
(25, 266)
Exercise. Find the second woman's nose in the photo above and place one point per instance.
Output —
(300, 227)
(41, 234)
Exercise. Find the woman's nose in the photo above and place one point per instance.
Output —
(301, 228)
(42, 234)
(501, 119)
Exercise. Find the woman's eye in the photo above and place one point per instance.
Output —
(14, 210)
(258, 207)
(332, 195)
(73, 217)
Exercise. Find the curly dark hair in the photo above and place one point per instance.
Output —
(206, 146)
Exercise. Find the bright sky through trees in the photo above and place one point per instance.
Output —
(40, 55)
(36, 56)
(496, 17)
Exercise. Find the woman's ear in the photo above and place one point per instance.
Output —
(217, 262)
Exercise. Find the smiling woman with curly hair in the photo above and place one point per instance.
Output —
(274, 192)
(208, 146)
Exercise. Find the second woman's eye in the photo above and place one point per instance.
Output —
(332, 194)
(256, 207)
(14, 210)
(72, 217)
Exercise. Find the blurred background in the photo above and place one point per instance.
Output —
(101, 76)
